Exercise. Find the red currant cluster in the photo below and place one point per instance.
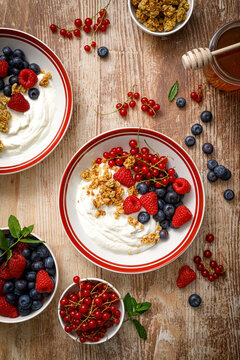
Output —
(90, 311)
(148, 106)
(213, 271)
(197, 96)
(101, 25)
(148, 167)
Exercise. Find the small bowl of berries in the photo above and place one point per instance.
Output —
(91, 310)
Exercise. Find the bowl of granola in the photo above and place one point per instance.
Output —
(131, 200)
(160, 17)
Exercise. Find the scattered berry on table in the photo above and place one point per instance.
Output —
(190, 140)
(207, 253)
(196, 129)
(181, 102)
(53, 27)
(227, 176)
(220, 171)
(78, 23)
(209, 238)
(143, 217)
(207, 148)
(185, 277)
(87, 48)
(103, 51)
(33, 93)
(211, 164)
(197, 259)
(206, 116)
(211, 176)
(194, 300)
(228, 195)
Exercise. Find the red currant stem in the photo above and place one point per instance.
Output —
(94, 32)
(155, 167)
(104, 8)
(97, 286)
(150, 108)
(138, 140)
(154, 180)
(150, 147)
(208, 267)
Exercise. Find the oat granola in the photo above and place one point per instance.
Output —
(1, 146)
(5, 115)
(45, 80)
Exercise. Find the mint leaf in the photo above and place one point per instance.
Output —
(140, 329)
(27, 230)
(173, 91)
(143, 307)
(4, 243)
(14, 226)
(134, 303)
(9, 255)
(31, 241)
(128, 304)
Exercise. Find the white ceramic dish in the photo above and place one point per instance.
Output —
(162, 33)
(110, 331)
(46, 300)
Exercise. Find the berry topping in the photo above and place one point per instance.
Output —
(33, 93)
(44, 283)
(3, 68)
(17, 265)
(18, 103)
(142, 188)
(163, 234)
(27, 78)
(194, 300)
(185, 277)
(143, 217)
(150, 202)
(124, 177)
(181, 216)
(131, 204)
(7, 309)
(181, 186)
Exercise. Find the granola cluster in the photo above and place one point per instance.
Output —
(1, 146)
(18, 88)
(5, 115)
(159, 15)
(129, 162)
(45, 80)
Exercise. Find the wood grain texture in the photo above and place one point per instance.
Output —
(175, 331)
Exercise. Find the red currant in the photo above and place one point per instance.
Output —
(103, 28)
(63, 32)
(96, 338)
(62, 313)
(92, 324)
(76, 279)
(93, 44)
(119, 105)
(117, 313)
(130, 94)
(133, 143)
(215, 275)
(138, 177)
(209, 238)
(103, 13)
(134, 151)
(119, 161)
(111, 163)
(171, 171)
(207, 253)
(87, 300)
(144, 150)
(87, 48)
(116, 321)
(113, 308)
(154, 160)
(144, 100)
(53, 27)
(68, 328)
(98, 301)
(98, 314)
(136, 95)
(105, 316)
(172, 178)
(205, 273)
(213, 264)
(220, 267)
(123, 112)
(132, 104)
(99, 160)
(82, 339)
(106, 155)
(200, 267)
(198, 99)
(86, 28)
(125, 105)
(86, 292)
(150, 112)
(69, 35)
(197, 259)
(99, 20)
(119, 150)
(67, 319)
(156, 107)
(113, 153)
(193, 95)
(145, 169)
(88, 21)
(77, 32)
(155, 172)
(78, 22)
(165, 181)
(83, 308)
(211, 278)
(158, 184)
(199, 86)
(64, 301)
(107, 22)
(144, 108)
(151, 102)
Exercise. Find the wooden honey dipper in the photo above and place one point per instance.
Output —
(198, 58)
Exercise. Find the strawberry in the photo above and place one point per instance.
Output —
(18, 248)
(7, 309)
(43, 282)
(185, 277)
(2, 282)
(181, 186)
(150, 202)
(5, 274)
(181, 216)
(124, 177)
(18, 103)
(17, 265)
(27, 78)
(3, 68)
(131, 204)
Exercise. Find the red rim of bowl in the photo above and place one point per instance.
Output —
(38, 44)
(153, 265)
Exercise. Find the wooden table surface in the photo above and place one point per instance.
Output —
(175, 330)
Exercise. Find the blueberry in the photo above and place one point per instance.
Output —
(28, 264)
(170, 188)
(13, 80)
(10, 298)
(53, 280)
(31, 285)
(172, 198)
(18, 53)
(227, 176)
(25, 65)
(159, 216)
(164, 224)
(4, 57)
(160, 192)
(15, 71)
(169, 210)
(180, 203)
(220, 171)
(21, 285)
(31, 276)
(11, 240)
(194, 300)
(143, 217)
(196, 129)
(8, 286)
(25, 301)
(7, 90)
(49, 262)
(35, 256)
(10, 63)
(142, 188)
(176, 174)
(211, 164)
(33, 93)
(23, 312)
(228, 195)
(151, 188)
(181, 102)
(34, 67)
(161, 204)
(37, 265)
(2, 258)
(102, 51)
(1, 84)
(36, 305)
(7, 51)
(163, 234)
(207, 148)
(34, 294)
(190, 141)
(17, 63)
(26, 253)
(206, 116)
(42, 251)
(211, 176)
(51, 271)
(33, 246)
(17, 292)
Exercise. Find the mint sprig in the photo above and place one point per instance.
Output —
(173, 91)
(136, 309)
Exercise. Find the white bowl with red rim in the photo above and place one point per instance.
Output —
(164, 252)
(37, 52)
(110, 331)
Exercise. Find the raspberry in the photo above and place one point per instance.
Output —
(18, 103)
(185, 277)
(2, 282)
(3, 68)
(43, 282)
(17, 250)
(131, 204)
(150, 202)
(27, 78)
(5, 274)
(124, 176)
(181, 186)
(7, 309)
(181, 216)
(17, 265)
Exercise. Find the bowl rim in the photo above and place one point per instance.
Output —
(65, 121)
(62, 193)
(117, 328)
(162, 33)
(20, 318)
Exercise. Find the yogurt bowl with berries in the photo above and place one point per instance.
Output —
(137, 206)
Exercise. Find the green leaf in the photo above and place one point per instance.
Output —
(134, 302)
(140, 329)
(4, 243)
(31, 241)
(14, 226)
(143, 307)
(9, 255)
(173, 91)
(128, 304)
(27, 230)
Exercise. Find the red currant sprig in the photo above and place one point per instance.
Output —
(197, 96)
(149, 106)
